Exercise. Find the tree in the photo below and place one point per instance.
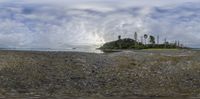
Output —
(152, 39)
(158, 39)
(135, 37)
(119, 37)
(145, 37)
(178, 43)
(119, 42)
(165, 42)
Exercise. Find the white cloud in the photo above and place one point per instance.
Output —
(38, 24)
(104, 5)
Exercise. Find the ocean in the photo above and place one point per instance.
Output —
(73, 48)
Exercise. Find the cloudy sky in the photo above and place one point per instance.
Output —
(62, 23)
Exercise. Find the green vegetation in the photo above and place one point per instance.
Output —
(128, 43)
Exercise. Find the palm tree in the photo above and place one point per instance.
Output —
(145, 37)
(119, 43)
(119, 37)
(152, 39)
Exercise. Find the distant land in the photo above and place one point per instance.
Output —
(149, 43)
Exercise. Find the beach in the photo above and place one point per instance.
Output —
(139, 73)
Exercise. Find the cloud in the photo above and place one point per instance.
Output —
(35, 24)
(179, 23)
(102, 5)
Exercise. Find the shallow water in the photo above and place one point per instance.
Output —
(74, 48)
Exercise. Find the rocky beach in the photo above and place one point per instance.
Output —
(139, 73)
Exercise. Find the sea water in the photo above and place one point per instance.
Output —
(71, 48)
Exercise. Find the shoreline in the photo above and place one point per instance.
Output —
(126, 73)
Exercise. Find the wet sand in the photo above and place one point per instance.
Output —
(141, 73)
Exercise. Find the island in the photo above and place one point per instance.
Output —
(149, 43)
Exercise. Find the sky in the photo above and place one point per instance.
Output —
(63, 23)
